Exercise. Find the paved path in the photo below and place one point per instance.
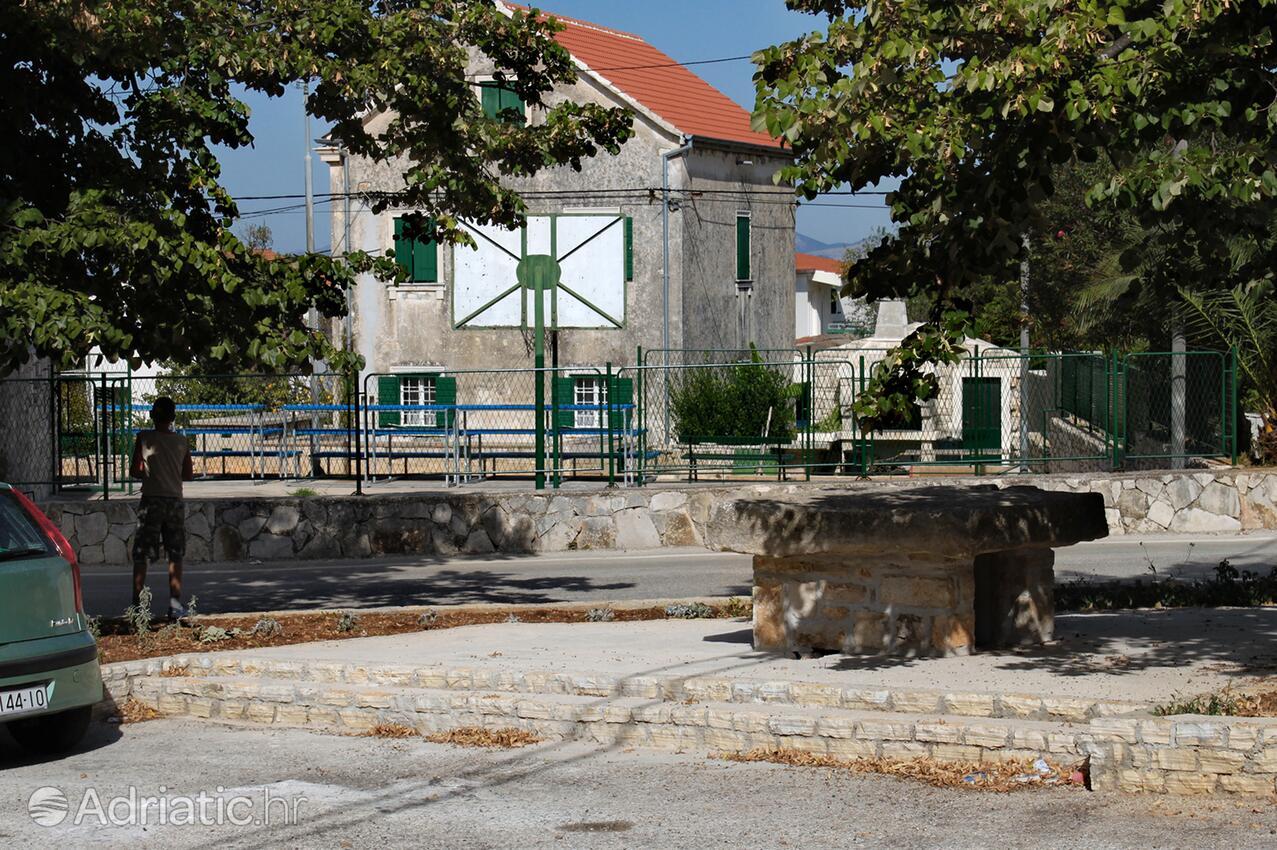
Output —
(1137, 656)
(590, 576)
(364, 792)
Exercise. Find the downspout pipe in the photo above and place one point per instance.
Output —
(665, 239)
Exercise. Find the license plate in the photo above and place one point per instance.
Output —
(23, 700)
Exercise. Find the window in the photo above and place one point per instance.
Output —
(418, 257)
(743, 251)
(588, 391)
(417, 390)
(396, 392)
(835, 304)
(502, 103)
(592, 391)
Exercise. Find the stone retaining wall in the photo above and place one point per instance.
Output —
(1126, 750)
(462, 521)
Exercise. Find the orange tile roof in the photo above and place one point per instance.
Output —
(671, 91)
(813, 263)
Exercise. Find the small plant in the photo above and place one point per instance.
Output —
(138, 617)
(600, 615)
(347, 622)
(689, 611)
(427, 619)
(267, 627)
(1223, 702)
(94, 626)
(737, 607)
(513, 618)
(303, 492)
(214, 634)
(191, 606)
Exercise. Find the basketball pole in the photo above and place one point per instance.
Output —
(538, 348)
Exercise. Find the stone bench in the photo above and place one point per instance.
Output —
(931, 571)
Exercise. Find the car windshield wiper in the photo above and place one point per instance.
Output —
(10, 554)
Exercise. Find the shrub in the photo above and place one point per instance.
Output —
(742, 400)
(689, 611)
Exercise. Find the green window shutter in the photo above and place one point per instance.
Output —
(629, 247)
(490, 95)
(388, 393)
(743, 271)
(403, 249)
(563, 389)
(445, 393)
(497, 98)
(621, 392)
(425, 261)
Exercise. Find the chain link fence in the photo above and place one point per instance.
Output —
(675, 415)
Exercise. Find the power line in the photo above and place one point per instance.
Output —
(552, 193)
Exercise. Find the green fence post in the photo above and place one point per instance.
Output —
(611, 444)
(809, 449)
(104, 444)
(1111, 399)
(640, 410)
(1232, 404)
(860, 431)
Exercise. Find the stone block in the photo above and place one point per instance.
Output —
(1065, 708)
(1176, 759)
(1115, 729)
(1020, 705)
(917, 592)
(769, 617)
(1200, 733)
(668, 500)
(1220, 761)
(938, 732)
(1182, 491)
(1191, 783)
(970, 705)
(904, 750)
(1247, 784)
(866, 699)
(886, 730)
(956, 753)
(1219, 498)
(917, 702)
(1199, 521)
(1151, 781)
(809, 693)
(986, 736)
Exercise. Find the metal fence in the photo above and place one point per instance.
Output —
(685, 415)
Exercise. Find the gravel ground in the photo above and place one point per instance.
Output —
(362, 792)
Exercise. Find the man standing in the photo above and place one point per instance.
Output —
(162, 460)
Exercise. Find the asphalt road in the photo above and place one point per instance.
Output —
(590, 576)
(347, 792)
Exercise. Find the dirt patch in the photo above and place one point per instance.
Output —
(118, 644)
(475, 736)
(1001, 777)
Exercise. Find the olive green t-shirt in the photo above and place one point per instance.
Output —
(163, 455)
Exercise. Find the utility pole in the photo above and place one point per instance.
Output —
(312, 318)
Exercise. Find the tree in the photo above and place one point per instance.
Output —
(114, 229)
(974, 106)
(258, 237)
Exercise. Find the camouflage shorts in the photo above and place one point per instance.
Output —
(160, 519)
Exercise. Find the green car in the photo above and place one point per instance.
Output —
(49, 675)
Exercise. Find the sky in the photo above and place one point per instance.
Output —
(688, 30)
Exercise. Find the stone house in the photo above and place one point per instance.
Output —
(729, 230)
